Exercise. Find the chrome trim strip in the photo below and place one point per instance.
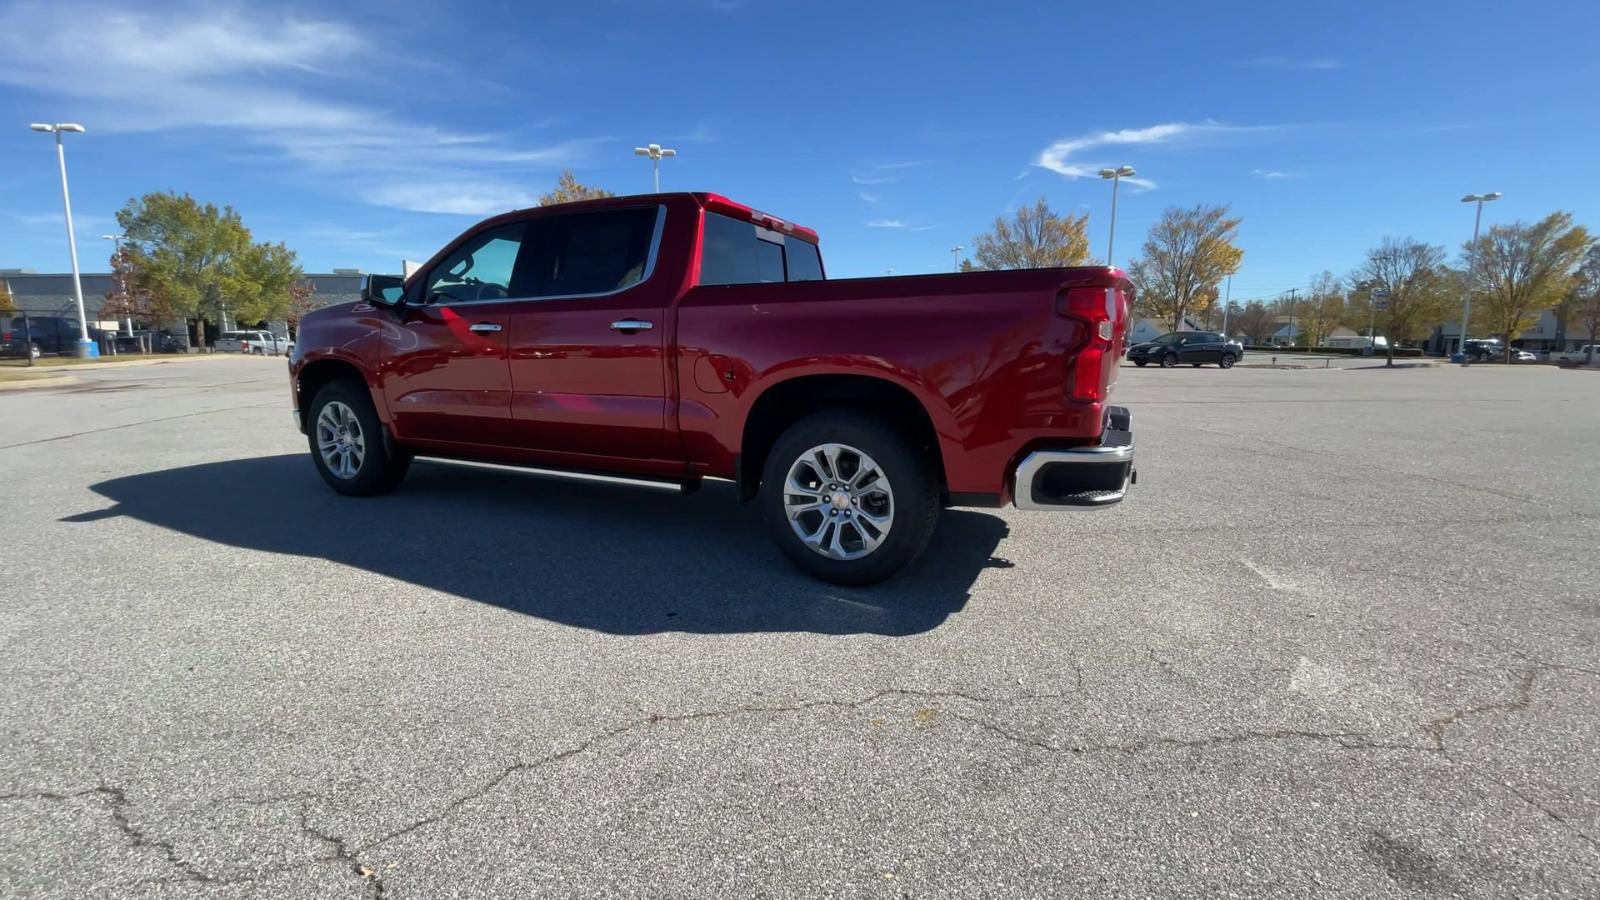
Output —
(1031, 465)
(649, 270)
(563, 474)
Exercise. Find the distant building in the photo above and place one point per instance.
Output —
(1548, 333)
(39, 294)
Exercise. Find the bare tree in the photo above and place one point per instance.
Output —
(1584, 299)
(1322, 309)
(1522, 269)
(1185, 258)
(1255, 320)
(1033, 238)
(568, 189)
(1414, 274)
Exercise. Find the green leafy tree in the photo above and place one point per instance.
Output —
(1033, 238)
(1186, 256)
(569, 189)
(1420, 287)
(196, 260)
(1522, 269)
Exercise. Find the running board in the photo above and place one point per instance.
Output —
(671, 487)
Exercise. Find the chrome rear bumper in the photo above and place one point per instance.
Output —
(1080, 478)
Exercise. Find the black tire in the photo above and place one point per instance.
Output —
(913, 485)
(1227, 361)
(382, 465)
(1196, 365)
(1169, 360)
(1141, 363)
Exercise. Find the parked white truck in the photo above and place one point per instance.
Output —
(1588, 353)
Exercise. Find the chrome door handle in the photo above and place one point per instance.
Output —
(484, 328)
(632, 325)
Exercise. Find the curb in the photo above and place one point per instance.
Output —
(24, 384)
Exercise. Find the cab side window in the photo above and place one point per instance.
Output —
(480, 269)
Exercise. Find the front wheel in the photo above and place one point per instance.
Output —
(848, 498)
(1227, 361)
(347, 442)
(1168, 361)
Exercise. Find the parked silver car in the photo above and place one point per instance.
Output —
(259, 343)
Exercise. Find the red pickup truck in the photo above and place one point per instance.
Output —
(664, 339)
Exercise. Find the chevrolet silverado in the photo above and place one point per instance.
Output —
(665, 339)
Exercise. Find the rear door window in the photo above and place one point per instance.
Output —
(588, 253)
(739, 252)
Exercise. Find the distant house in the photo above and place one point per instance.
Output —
(1150, 329)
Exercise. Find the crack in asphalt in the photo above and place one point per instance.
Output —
(203, 412)
(119, 804)
(352, 857)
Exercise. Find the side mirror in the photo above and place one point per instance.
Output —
(384, 290)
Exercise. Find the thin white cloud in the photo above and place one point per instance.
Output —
(869, 180)
(870, 198)
(1271, 174)
(1314, 63)
(887, 223)
(900, 165)
(1063, 156)
(458, 198)
(261, 82)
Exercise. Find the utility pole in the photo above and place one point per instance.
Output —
(1227, 305)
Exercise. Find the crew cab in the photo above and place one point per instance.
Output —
(1585, 355)
(665, 339)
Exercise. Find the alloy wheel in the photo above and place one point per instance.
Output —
(838, 501)
(340, 440)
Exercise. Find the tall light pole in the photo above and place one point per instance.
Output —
(1293, 295)
(955, 253)
(1116, 175)
(1472, 268)
(122, 279)
(86, 347)
(655, 152)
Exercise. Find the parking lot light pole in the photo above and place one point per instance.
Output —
(86, 347)
(955, 253)
(655, 152)
(1472, 269)
(1115, 175)
(1227, 304)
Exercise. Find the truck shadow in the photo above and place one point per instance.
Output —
(610, 559)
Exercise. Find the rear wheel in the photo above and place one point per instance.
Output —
(1169, 360)
(347, 442)
(1141, 363)
(1227, 361)
(848, 498)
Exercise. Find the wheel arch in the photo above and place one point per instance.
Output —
(785, 402)
(315, 374)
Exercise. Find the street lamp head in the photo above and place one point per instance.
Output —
(40, 126)
(1479, 198)
(113, 237)
(69, 126)
(669, 153)
(641, 151)
(1108, 173)
(1492, 195)
(1125, 171)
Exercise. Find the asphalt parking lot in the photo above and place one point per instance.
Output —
(1340, 641)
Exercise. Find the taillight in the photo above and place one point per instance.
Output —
(1094, 367)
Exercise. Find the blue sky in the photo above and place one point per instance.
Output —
(362, 133)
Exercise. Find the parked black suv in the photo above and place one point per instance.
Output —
(1193, 347)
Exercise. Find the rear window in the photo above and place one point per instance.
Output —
(739, 252)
